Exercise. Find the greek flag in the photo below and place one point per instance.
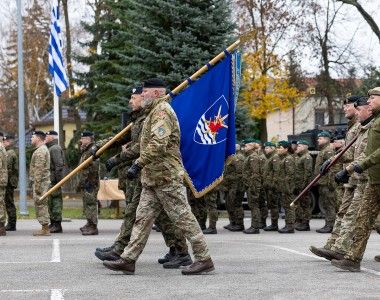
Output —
(56, 68)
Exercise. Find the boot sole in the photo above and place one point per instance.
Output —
(115, 269)
(346, 268)
(320, 254)
(184, 264)
(204, 272)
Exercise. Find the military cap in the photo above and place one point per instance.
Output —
(269, 144)
(324, 134)
(351, 99)
(154, 83)
(137, 90)
(9, 137)
(51, 132)
(39, 133)
(374, 91)
(303, 142)
(87, 133)
(362, 101)
(294, 142)
(284, 144)
(248, 140)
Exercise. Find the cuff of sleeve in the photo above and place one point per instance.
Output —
(365, 164)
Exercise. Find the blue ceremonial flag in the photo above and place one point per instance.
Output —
(206, 115)
(56, 68)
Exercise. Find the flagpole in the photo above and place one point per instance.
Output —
(56, 110)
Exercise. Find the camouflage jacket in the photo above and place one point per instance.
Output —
(354, 128)
(325, 153)
(12, 160)
(39, 170)
(304, 170)
(268, 171)
(276, 167)
(57, 161)
(3, 166)
(253, 171)
(287, 169)
(89, 177)
(233, 172)
(160, 155)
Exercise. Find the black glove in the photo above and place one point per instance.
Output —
(133, 171)
(323, 169)
(92, 151)
(342, 176)
(358, 169)
(111, 163)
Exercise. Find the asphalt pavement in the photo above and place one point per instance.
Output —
(264, 266)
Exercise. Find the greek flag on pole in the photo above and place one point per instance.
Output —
(206, 115)
(56, 68)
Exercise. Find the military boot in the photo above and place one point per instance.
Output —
(263, 223)
(210, 230)
(199, 267)
(3, 232)
(326, 253)
(287, 229)
(110, 255)
(85, 226)
(10, 227)
(168, 256)
(105, 249)
(127, 266)
(252, 230)
(228, 226)
(346, 264)
(304, 226)
(377, 258)
(235, 228)
(272, 227)
(91, 230)
(180, 261)
(43, 232)
(56, 227)
(325, 229)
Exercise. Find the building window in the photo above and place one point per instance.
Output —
(319, 117)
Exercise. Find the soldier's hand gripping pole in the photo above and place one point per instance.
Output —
(88, 161)
(316, 179)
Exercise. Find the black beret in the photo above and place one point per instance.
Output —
(137, 90)
(294, 142)
(352, 99)
(361, 102)
(51, 132)
(9, 137)
(39, 133)
(154, 83)
(87, 133)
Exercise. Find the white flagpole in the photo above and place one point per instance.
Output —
(56, 110)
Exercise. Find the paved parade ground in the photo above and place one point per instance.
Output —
(264, 266)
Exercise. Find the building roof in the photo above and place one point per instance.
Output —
(67, 117)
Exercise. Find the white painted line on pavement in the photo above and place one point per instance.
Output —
(25, 262)
(373, 272)
(56, 295)
(56, 255)
(23, 291)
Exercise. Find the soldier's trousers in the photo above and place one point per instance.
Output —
(10, 205)
(254, 205)
(303, 209)
(42, 210)
(172, 199)
(263, 206)
(339, 193)
(368, 210)
(55, 206)
(90, 205)
(2, 205)
(198, 207)
(272, 204)
(211, 203)
(234, 205)
(286, 199)
(327, 201)
(346, 202)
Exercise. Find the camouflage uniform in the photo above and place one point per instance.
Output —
(162, 180)
(57, 168)
(303, 176)
(211, 203)
(263, 195)
(12, 160)
(3, 183)
(270, 167)
(39, 175)
(285, 181)
(253, 170)
(89, 183)
(327, 198)
(198, 208)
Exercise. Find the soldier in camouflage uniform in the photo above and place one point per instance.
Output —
(12, 160)
(57, 169)
(337, 144)
(89, 184)
(327, 199)
(211, 203)
(252, 175)
(3, 184)
(198, 208)
(263, 195)
(270, 165)
(39, 175)
(162, 181)
(285, 183)
(369, 206)
(303, 176)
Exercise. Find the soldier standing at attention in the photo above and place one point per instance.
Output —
(286, 184)
(12, 160)
(57, 168)
(39, 175)
(304, 172)
(89, 184)
(326, 191)
(162, 180)
(3, 184)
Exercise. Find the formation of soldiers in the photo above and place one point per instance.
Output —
(270, 175)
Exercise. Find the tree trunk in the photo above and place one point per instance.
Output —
(263, 130)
